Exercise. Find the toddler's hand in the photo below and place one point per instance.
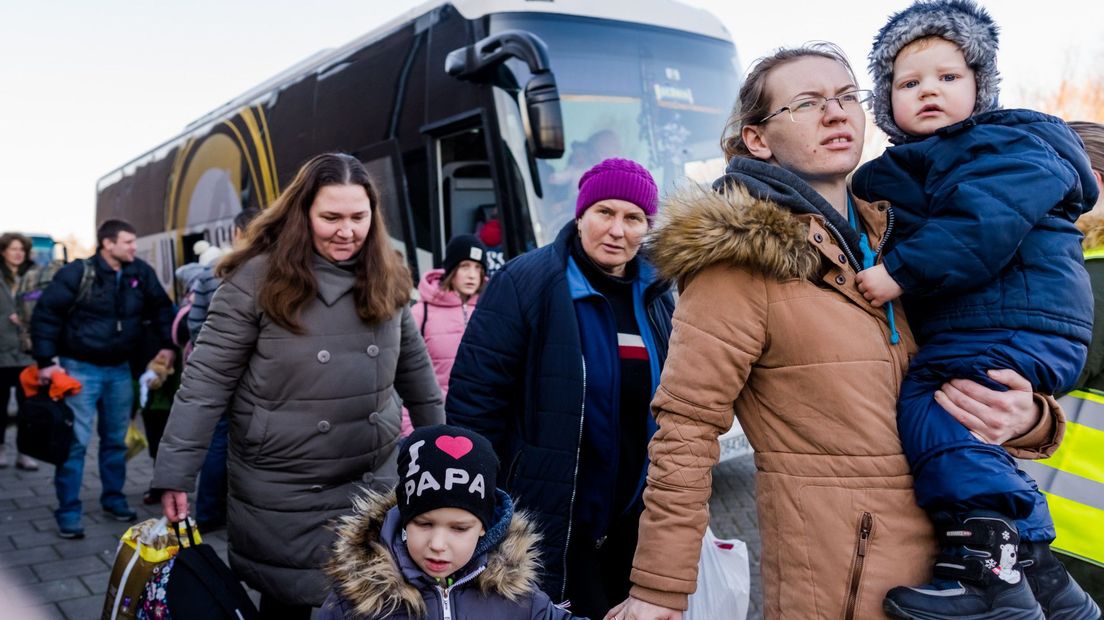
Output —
(877, 286)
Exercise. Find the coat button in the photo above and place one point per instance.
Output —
(881, 207)
(316, 487)
(372, 350)
(323, 356)
(842, 259)
(818, 237)
(374, 417)
(323, 426)
(841, 280)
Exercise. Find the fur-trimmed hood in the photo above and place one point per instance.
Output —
(756, 216)
(961, 22)
(372, 572)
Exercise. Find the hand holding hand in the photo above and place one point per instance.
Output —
(877, 286)
(636, 609)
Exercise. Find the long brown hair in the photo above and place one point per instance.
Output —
(753, 102)
(6, 240)
(283, 232)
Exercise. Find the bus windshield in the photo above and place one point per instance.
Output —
(657, 96)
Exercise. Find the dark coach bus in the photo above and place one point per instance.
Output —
(466, 112)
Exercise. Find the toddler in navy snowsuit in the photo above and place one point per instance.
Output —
(987, 257)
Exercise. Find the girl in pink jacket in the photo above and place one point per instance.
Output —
(446, 301)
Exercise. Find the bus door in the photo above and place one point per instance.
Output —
(465, 201)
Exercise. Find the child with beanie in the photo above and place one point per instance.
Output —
(447, 298)
(446, 544)
(986, 255)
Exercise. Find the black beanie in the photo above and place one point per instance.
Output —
(446, 467)
(464, 247)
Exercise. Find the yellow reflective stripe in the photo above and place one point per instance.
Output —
(1084, 408)
(1069, 486)
(1094, 253)
(1080, 529)
(1081, 453)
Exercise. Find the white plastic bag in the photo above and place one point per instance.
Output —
(724, 581)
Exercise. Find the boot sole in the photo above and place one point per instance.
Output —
(892, 609)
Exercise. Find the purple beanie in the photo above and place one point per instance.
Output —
(620, 179)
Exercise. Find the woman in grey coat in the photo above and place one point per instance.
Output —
(310, 345)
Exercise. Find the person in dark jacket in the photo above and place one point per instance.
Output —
(311, 348)
(91, 334)
(449, 546)
(987, 255)
(558, 368)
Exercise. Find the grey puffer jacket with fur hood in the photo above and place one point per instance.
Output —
(375, 578)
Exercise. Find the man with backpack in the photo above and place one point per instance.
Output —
(87, 323)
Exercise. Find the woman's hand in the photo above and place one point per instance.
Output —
(993, 417)
(636, 609)
(175, 505)
(14, 318)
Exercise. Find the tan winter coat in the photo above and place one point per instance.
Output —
(771, 328)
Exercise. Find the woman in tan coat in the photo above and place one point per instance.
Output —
(770, 327)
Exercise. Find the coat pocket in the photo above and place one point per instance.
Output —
(257, 430)
(858, 563)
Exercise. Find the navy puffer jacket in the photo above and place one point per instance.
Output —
(984, 224)
(519, 380)
(108, 326)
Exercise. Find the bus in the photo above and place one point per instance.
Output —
(465, 112)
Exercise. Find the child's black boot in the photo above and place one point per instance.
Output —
(976, 577)
(1057, 592)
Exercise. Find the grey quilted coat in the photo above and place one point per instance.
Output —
(312, 418)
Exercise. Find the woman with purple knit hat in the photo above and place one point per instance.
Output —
(557, 370)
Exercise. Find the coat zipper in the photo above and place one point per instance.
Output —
(866, 525)
(574, 483)
(446, 602)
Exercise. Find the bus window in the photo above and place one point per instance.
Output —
(382, 161)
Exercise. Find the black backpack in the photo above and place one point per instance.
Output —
(45, 428)
(202, 587)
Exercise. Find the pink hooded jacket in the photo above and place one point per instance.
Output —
(442, 327)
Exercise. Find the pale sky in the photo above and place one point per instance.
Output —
(87, 86)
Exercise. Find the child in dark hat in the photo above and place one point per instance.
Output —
(988, 260)
(447, 543)
(446, 300)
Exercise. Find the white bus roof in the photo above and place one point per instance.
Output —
(662, 13)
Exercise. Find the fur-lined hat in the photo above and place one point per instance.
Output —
(961, 22)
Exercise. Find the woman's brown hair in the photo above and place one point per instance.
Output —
(753, 102)
(283, 232)
(1092, 224)
(6, 240)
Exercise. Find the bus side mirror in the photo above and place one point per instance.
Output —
(542, 98)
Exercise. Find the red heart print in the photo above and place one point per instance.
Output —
(455, 447)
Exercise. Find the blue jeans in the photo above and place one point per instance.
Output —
(953, 470)
(111, 387)
(211, 494)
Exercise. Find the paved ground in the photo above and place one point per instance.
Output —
(67, 579)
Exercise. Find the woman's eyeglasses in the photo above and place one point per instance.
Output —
(808, 107)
